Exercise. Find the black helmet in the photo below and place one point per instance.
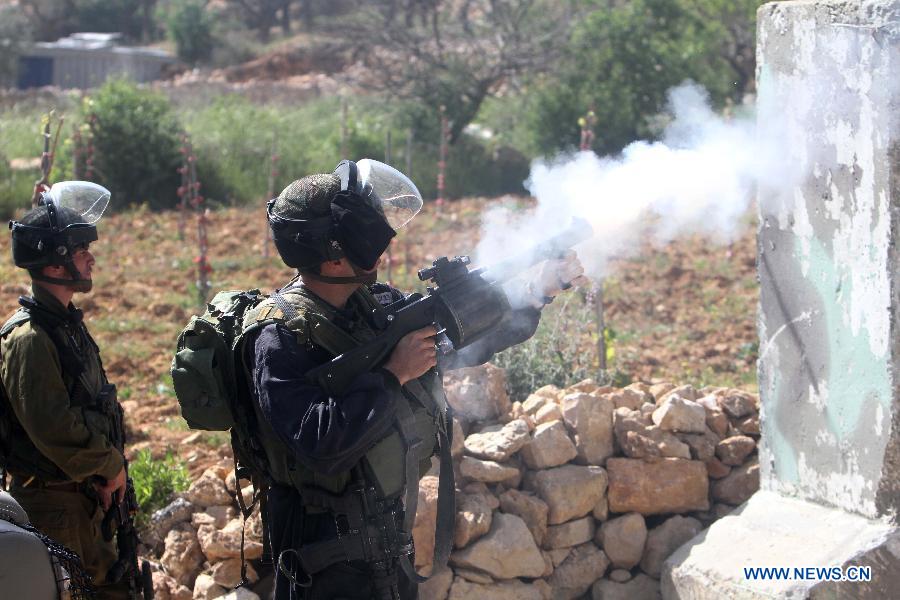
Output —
(352, 212)
(50, 233)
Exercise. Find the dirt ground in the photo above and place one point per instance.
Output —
(685, 312)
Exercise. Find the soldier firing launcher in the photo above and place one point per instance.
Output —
(464, 304)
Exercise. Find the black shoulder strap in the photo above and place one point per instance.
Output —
(53, 325)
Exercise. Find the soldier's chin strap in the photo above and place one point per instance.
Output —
(367, 278)
(77, 282)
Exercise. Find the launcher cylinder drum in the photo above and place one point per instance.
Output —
(468, 310)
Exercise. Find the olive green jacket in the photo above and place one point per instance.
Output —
(74, 438)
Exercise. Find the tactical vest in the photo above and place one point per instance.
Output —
(383, 463)
(83, 376)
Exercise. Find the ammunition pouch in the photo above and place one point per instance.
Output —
(369, 529)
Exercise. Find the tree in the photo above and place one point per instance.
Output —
(260, 15)
(455, 54)
(15, 33)
(191, 28)
(136, 142)
(621, 60)
(52, 19)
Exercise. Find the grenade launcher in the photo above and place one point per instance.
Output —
(464, 304)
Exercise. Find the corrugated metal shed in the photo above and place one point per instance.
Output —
(85, 60)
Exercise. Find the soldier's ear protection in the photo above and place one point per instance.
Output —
(360, 226)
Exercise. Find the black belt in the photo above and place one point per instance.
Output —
(31, 482)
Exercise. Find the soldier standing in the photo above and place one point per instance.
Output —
(59, 419)
(344, 468)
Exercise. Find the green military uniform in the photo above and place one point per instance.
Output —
(60, 438)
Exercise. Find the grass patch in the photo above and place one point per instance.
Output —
(155, 481)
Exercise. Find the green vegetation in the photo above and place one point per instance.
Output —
(155, 480)
(190, 27)
(136, 140)
(559, 353)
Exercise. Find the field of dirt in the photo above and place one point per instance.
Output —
(685, 312)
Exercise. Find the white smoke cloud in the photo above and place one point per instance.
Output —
(700, 177)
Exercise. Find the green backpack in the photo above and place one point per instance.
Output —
(213, 392)
(206, 369)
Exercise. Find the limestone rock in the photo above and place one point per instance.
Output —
(474, 575)
(478, 393)
(668, 485)
(530, 508)
(734, 450)
(164, 519)
(641, 587)
(623, 540)
(558, 555)
(748, 425)
(501, 590)
(569, 534)
(681, 415)
(585, 565)
(473, 518)
(588, 386)
(737, 487)
(590, 418)
(665, 539)
(166, 588)
(717, 421)
(498, 442)
(207, 589)
(570, 491)
(438, 585)
(548, 564)
(240, 594)
(738, 404)
(228, 573)
(208, 490)
(217, 516)
(716, 469)
(506, 552)
(702, 445)
(687, 392)
(456, 446)
(630, 399)
(620, 575)
(223, 543)
(182, 557)
(485, 470)
(601, 509)
(534, 402)
(547, 413)
(637, 439)
(550, 446)
(659, 390)
(550, 392)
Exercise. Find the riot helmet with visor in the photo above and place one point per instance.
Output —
(351, 213)
(63, 222)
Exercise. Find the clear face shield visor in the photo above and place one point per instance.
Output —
(78, 202)
(392, 192)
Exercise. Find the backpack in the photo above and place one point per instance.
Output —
(214, 395)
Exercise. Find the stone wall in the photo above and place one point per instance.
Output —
(580, 492)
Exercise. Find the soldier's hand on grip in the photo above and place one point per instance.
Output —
(560, 274)
(116, 486)
(413, 355)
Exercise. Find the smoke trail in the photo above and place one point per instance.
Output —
(699, 178)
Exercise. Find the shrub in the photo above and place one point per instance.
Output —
(136, 145)
(191, 29)
(561, 351)
(155, 481)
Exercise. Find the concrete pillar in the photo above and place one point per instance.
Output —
(829, 323)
